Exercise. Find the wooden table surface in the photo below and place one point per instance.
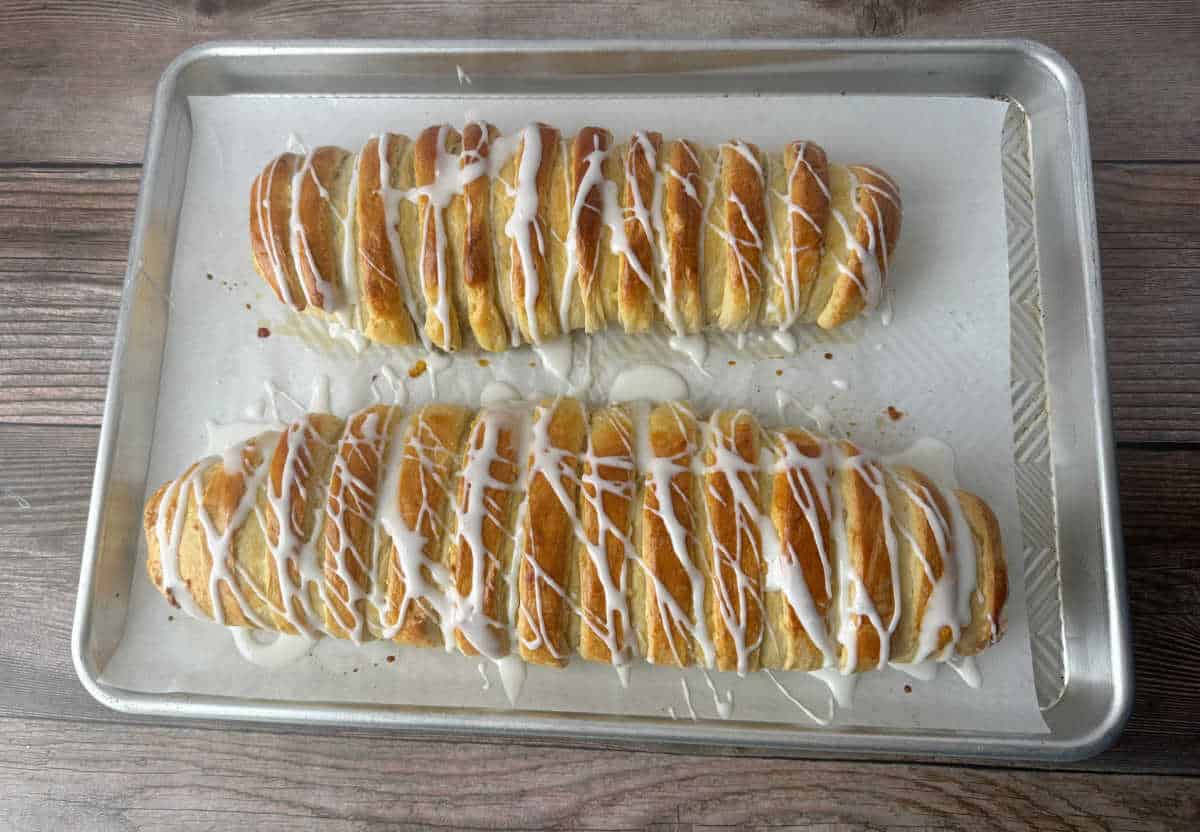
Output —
(76, 80)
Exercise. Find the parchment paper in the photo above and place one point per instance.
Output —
(943, 362)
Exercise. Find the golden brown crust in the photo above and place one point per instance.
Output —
(438, 267)
(300, 466)
(590, 147)
(637, 281)
(348, 541)
(668, 536)
(163, 503)
(733, 542)
(270, 238)
(918, 550)
(207, 552)
(867, 556)
(746, 229)
(795, 496)
(382, 273)
(212, 499)
(606, 505)
(195, 560)
(802, 220)
(532, 295)
(154, 509)
(991, 577)
(316, 240)
(546, 538)
(486, 499)
(428, 460)
(683, 216)
(478, 265)
(875, 217)
(693, 270)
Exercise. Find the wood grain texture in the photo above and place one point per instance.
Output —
(70, 776)
(76, 80)
(64, 239)
(91, 103)
(1149, 220)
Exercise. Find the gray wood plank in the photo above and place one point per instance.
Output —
(92, 103)
(44, 489)
(1149, 220)
(63, 776)
(64, 237)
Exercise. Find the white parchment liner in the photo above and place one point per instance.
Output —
(943, 362)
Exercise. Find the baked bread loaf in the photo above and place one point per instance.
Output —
(548, 531)
(455, 238)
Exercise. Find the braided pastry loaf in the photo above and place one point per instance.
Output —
(526, 237)
(546, 530)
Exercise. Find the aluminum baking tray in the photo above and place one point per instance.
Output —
(1074, 571)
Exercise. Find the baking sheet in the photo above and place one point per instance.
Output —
(943, 362)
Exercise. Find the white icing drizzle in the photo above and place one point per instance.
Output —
(498, 391)
(512, 676)
(809, 483)
(785, 340)
(346, 323)
(748, 275)
(471, 513)
(840, 685)
(873, 257)
(654, 228)
(291, 548)
(594, 488)
(735, 603)
(687, 698)
(435, 362)
(593, 178)
(888, 310)
(558, 356)
(921, 671)
(395, 386)
(301, 249)
(694, 347)
(426, 582)
(949, 601)
(266, 222)
(968, 670)
(435, 198)
(524, 223)
(270, 650)
(820, 720)
(786, 276)
(168, 539)
(356, 498)
(854, 599)
(870, 189)
(556, 467)
(724, 705)
(648, 382)
(391, 198)
(660, 472)
(295, 144)
(941, 606)
(224, 572)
